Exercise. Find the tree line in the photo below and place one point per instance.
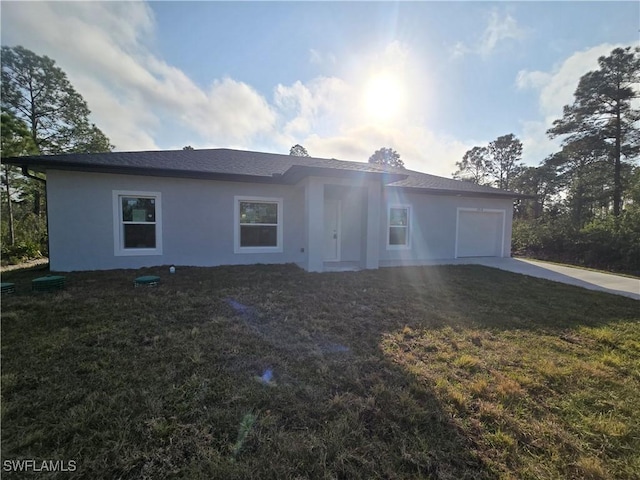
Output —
(585, 205)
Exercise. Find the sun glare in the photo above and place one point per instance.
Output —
(383, 96)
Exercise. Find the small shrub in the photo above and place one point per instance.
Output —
(21, 251)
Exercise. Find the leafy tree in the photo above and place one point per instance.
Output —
(298, 151)
(188, 147)
(634, 188)
(474, 166)
(497, 163)
(38, 92)
(15, 140)
(540, 182)
(15, 136)
(387, 156)
(584, 177)
(505, 154)
(603, 111)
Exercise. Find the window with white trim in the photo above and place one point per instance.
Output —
(137, 223)
(258, 225)
(398, 231)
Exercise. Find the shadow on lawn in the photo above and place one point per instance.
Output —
(394, 426)
(157, 379)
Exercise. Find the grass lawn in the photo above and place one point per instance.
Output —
(259, 372)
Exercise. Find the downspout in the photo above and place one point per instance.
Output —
(25, 172)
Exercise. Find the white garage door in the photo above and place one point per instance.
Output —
(480, 233)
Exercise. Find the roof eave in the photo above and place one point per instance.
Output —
(295, 173)
(462, 193)
(145, 171)
(292, 175)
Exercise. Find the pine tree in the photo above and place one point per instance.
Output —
(38, 92)
(603, 112)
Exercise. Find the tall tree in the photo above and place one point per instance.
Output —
(474, 166)
(585, 177)
(541, 182)
(497, 163)
(603, 110)
(38, 92)
(15, 140)
(298, 151)
(387, 156)
(505, 155)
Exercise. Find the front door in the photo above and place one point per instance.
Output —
(331, 230)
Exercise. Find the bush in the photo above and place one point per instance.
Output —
(20, 252)
(525, 237)
(30, 237)
(607, 243)
(613, 243)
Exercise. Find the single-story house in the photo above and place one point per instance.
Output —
(222, 207)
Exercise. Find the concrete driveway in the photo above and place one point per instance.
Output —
(606, 282)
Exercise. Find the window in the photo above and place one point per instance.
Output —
(258, 225)
(399, 224)
(137, 223)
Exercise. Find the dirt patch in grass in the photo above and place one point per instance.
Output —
(38, 263)
(271, 372)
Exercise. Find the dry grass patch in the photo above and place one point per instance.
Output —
(541, 403)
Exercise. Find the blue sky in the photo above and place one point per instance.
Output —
(429, 79)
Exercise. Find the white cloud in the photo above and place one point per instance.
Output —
(131, 92)
(234, 110)
(304, 106)
(395, 55)
(526, 79)
(460, 50)
(500, 28)
(316, 57)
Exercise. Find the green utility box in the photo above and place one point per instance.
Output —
(148, 280)
(48, 283)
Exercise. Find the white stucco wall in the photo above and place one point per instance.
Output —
(433, 225)
(197, 221)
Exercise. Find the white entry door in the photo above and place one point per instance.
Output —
(331, 230)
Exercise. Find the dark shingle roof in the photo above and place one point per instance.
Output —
(425, 181)
(242, 165)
